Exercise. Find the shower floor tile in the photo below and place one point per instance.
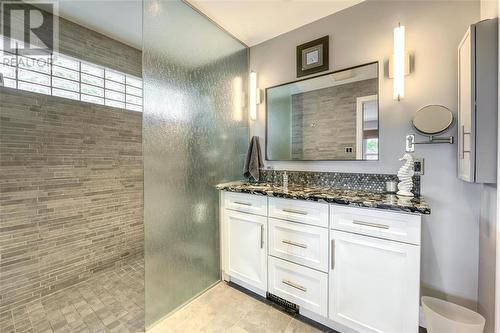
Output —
(110, 301)
(226, 309)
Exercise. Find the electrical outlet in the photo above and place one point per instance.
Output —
(418, 166)
(348, 150)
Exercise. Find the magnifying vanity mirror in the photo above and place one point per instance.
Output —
(430, 121)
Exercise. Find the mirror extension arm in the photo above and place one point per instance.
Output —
(410, 141)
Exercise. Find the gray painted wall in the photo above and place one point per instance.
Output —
(362, 34)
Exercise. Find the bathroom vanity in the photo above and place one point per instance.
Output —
(348, 259)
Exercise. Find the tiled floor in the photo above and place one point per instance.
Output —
(111, 301)
(226, 309)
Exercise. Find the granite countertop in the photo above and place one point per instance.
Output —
(355, 198)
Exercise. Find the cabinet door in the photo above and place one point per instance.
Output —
(466, 107)
(246, 248)
(374, 284)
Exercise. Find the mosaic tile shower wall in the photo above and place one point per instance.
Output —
(71, 192)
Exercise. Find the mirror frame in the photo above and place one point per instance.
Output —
(313, 77)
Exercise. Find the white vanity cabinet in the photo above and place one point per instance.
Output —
(375, 270)
(353, 269)
(298, 253)
(244, 232)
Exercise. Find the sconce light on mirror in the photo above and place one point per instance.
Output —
(399, 63)
(253, 96)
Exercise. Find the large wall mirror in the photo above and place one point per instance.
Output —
(329, 117)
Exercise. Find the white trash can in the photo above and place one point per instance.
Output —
(446, 317)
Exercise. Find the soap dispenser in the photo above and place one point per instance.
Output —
(285, 180)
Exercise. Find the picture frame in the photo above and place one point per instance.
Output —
(313, 57)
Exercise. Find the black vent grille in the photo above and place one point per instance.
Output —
(286, 305)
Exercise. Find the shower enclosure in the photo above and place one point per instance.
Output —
(194, 136)
(109, 157)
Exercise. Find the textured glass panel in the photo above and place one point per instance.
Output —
(63, 61)
(134, 107)
(35, 63)
(92, 99)
(134, 91)
(91, 69)
(65, 84)
(115, 76)
(33, 77)
(33, 87)
(194, 136)
(65, 73)
(8, 71)
(134, 100)
(92, 80)
(9, 83)
(115, 86)
(115, 104)
(115, 96)
(92, 90)
(65, 94)
(133, 81)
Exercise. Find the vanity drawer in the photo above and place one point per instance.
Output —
(303, 244)
(300, 285)
(383, 224)
(247, 203)
(308, 212)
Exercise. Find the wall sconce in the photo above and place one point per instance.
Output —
(399, 63)
(253, 96)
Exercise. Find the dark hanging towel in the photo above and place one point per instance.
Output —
(253, 162)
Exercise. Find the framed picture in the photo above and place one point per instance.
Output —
(312, 57)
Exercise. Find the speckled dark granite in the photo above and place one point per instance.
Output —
(340, 180)
(349, 197)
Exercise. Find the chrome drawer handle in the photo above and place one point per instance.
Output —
(261, 236)
(463, 151)
(289, 242)
(368, 224)
(333, 254)
(294, 285)
(294, 211)
(243, 203)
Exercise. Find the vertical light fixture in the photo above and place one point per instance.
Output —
(399, 63)
(252, 96)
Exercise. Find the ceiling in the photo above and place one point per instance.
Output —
(255, 21)
(251, 21)
(118, 19)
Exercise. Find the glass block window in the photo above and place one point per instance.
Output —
(67, 77)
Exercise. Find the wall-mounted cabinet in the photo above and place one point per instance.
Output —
(478, 103)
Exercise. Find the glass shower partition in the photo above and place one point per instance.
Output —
(195, 135)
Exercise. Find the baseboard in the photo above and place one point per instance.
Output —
(257, 291)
